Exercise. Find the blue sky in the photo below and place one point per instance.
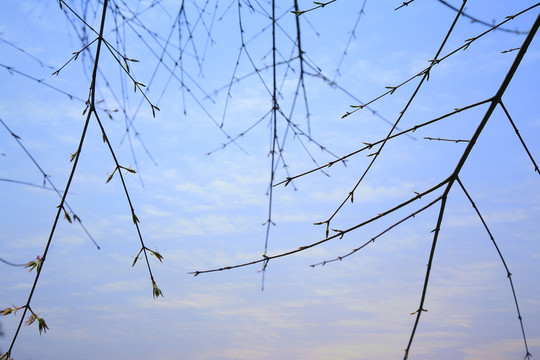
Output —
(205, 211)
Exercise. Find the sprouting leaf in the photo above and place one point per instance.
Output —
(327, 228)
(68, 218)
(110, 176)
(34, 264)
(265, 264)
(156, 108)
(73, 156)
(7, 311)
(137, 257)
(157, 255)
(469, 42)
(298, 13)
(129, 169)
(31, 319)
(42, 325)
(417, 311)
(156, 291)
(135, 218)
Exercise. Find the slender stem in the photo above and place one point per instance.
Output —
(274, 136)
(75, 162)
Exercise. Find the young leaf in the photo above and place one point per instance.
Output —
(33, 317)
(327, 228)
(137, 257)
(6, 311)
(68, 218)
(129, 169)
(288, 181)
(73, 156)
(157, 255)
(33, 264)
(42, 326)
(156, 291)
(110, 177)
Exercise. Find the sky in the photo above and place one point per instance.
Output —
(203, 168)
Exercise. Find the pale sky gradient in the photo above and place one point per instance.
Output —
(205, 211)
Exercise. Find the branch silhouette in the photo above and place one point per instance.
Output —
(446, 185)
(282, 71)
(90, 112)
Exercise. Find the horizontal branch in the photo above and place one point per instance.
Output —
(372, 240)
(340, 234)
(370, 145)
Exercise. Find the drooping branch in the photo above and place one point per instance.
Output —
(508, 273)
(47, 179)
(67, 187)
(519, 136)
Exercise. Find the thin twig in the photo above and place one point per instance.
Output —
(73, 168)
